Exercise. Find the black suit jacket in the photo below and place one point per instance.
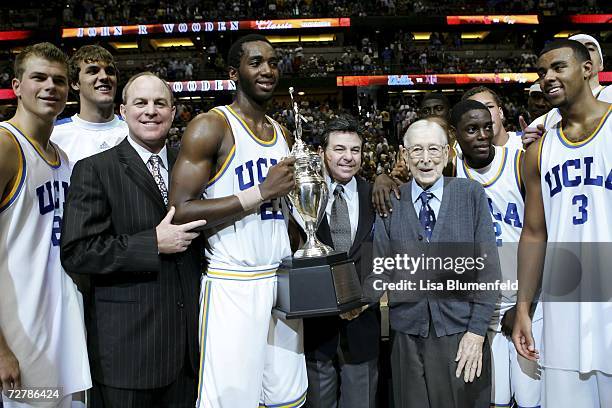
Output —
(358, 337)
(142, 310)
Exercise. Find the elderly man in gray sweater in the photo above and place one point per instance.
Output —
(435, 255)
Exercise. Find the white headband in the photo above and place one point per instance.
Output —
(534, 88)
(585, 38)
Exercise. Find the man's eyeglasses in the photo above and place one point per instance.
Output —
(418, 151)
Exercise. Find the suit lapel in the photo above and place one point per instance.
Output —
(366, 213)
(324, 233)
(137, 171)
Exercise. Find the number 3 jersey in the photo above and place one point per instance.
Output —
(40, 311)
(576, 180)
(250, 247)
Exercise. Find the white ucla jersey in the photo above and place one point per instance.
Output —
(553, 116)
(576, 182)
(502, 183)
(79, 138)
(40, 311)
(253, 246)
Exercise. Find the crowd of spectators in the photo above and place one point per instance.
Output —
(102, 12)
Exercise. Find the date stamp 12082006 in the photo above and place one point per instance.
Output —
(31, 394)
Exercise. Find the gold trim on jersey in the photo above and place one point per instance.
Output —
(241, 275)
(540, 152)
(203, 328)
(566, 141)
(517, 168)
(55, 163)
(292, 404)
(250, 132)
(466, 168)
(223, 167)
(19, 179)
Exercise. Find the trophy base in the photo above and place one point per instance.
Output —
(317, 286)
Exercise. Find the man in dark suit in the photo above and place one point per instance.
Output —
(344, 350)
(439, 357)
(143, 312)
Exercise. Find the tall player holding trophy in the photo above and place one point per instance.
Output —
(234, 154)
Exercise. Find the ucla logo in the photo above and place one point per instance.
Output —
(254, 172)
(51, 197)
(574, 173)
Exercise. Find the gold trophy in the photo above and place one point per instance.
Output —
(316, 280)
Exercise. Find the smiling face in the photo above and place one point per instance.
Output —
(97, 83)
(562, 77)
(43, 87)
(342, 156)
(474, 135)
(148, 111)
(258, 73)
(426, 137)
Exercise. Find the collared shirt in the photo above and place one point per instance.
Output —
(145, 155)
(434, 202)
(352, 201)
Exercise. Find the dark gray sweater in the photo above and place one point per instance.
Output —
(463, 229)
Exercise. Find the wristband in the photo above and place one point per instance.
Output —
(250, 198)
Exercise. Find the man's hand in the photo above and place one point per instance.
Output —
(279, 181)
(383, 185)
(530, 134)
(175, 238)
(469, 356)
(10, 377)
(352, 314)
(522, 337)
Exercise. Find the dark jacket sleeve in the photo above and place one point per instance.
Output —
(89, 244)
(486, 249)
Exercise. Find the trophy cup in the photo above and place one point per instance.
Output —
(316, 280)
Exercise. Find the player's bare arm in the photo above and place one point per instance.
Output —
(206, 144)
(9, 167)
(531, 252)
(9, 163)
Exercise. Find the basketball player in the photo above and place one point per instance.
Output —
(234, 154)
(93, 77)
(568, 177)
(493, 102)
(498, 170)
(42, 336)
(603, 93)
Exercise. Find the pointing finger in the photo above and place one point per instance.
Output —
(192, 225)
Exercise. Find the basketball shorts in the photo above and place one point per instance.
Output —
(248, 356)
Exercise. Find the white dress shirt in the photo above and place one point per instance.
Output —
(351, 196)
(145, 155)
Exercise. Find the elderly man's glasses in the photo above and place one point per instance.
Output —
(418, 151)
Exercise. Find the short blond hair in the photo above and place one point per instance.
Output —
(44, 50)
